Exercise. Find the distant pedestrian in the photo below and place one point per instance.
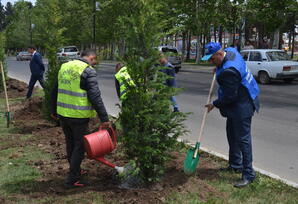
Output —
(248, 45)
(237, 101)
(171, 82)
(37, 69)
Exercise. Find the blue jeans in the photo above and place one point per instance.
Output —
(174, 102)
(240, 152)
(33, 80)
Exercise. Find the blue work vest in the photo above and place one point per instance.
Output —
(239, 64)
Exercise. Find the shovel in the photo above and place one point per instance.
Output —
(192, 157)
(7, 114)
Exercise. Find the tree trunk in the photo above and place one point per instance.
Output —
(214, 33)
(183, 45)
(188, 46)
(290, 41)
(293, 43)
(198, 50)
(220, 35)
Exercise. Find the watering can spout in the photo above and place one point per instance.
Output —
(106, 162)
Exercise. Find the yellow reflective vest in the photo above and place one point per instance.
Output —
(72, 101)
(125, 82)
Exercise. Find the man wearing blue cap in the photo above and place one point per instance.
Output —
(237, 101)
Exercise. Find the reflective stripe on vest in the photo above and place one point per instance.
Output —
(64, 105)
(71, 93)
(247, 79)
(72, 101)
(125, 82)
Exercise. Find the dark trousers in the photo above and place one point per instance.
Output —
(240, 152)
(74, 130)
(33, 80)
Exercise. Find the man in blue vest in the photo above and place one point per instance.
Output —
(237, 101)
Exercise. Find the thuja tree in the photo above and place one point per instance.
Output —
(150, 127)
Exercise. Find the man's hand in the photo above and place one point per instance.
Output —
(106, 125)
(209, 107)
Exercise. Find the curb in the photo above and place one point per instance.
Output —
(261, 171)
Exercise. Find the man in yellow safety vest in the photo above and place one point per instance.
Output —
(75, 99)
(123, 81)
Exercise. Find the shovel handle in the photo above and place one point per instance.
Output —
(206, 110)
(6, 96)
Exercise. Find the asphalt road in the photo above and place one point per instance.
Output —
(274, 129)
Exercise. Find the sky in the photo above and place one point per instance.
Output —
(12, 1)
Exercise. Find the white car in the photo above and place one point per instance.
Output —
(267, 64)
(69, 52)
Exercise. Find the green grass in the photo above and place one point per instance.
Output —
(263, 190)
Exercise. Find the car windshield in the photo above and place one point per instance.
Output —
(278, 56)
(70, 49)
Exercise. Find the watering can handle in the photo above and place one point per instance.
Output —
(114, 134)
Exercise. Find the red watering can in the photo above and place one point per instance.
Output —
(100, 143)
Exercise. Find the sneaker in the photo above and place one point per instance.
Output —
(76, 184)
(176, 110)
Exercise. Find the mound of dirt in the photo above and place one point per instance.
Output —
(16, 88)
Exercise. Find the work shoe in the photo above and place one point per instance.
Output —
(176, 110)
(242, 183)
(231, 169)
(76, 184)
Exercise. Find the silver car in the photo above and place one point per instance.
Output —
(68, 53)
(23, 56)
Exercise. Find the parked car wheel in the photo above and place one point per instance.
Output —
(263, 77)
(289, 80)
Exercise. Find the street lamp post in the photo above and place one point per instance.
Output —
(96, 7)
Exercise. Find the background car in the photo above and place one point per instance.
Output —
(267, 64)
(68, 52)
(173, 56)
(23, 56)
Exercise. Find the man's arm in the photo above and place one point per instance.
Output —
(40, 62)
(89, 83)
(230, 81)
(117, 85)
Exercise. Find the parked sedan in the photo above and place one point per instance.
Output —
(267, 64)
(23, 56)
(69, 52)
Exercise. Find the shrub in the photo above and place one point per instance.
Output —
(150, 127)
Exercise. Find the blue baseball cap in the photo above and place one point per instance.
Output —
(210, 49)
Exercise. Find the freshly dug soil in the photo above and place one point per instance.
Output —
(15, 88)
(49, 137)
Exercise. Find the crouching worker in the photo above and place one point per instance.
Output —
(75, 99)
(123, 81)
